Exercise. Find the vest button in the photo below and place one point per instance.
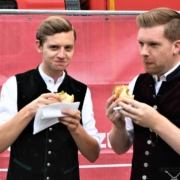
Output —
(149, 142)
(50, 140)
(145, 164)
(155, 107)
(144, 177)
(50, 129)
(47, 178)
(49, 152)
(48, 164)
(146, 153)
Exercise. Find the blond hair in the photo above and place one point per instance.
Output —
(51, 26)
(162, 16)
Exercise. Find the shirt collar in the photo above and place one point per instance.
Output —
(163, 77)
(48, 79)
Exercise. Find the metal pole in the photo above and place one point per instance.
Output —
(68, 12)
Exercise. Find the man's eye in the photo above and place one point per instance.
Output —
(153, 44)
(53, 47)
(141, 44)
(68, 48)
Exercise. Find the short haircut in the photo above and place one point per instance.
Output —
(162, 16)
(53, 25)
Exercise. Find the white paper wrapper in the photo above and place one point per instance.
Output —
(48, 115)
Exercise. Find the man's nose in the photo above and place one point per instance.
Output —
(61, 53)
(144, 51)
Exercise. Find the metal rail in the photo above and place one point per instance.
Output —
(68, 12)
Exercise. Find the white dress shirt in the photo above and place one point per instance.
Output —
(8, 102)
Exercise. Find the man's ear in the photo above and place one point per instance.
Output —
(177, 47)
(38, 46)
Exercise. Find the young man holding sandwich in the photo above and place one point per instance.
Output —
(53, 152)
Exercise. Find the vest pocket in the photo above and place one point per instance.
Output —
(70, 169)
(170, 173)
(22, 165)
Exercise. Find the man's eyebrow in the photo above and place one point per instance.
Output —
(70, 44)
(154, 42)
(148, 41)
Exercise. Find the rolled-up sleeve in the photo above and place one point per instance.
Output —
(129, 123)
(8, 100)
(88, 120)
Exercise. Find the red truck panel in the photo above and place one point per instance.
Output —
(138, 5)
(132, 5)
(41, 4)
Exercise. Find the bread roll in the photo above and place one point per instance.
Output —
(65, 97)
(122, 91)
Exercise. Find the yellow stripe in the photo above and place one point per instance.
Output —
(112, 5)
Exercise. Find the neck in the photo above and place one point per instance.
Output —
(53, 74)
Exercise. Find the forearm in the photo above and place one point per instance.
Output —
(119, 140)
(87, 145)
(168, 132)
(13, 128)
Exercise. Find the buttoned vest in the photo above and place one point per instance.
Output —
(161, 161)
(52, 153)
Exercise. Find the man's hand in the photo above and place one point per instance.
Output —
(140, 113)
(118, 136)
(44, 99)
(72, 121)
(116, 117)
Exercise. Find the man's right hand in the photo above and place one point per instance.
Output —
(115, 116)
(44, 99)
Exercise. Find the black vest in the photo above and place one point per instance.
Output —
(161, 161)
(52, 153)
